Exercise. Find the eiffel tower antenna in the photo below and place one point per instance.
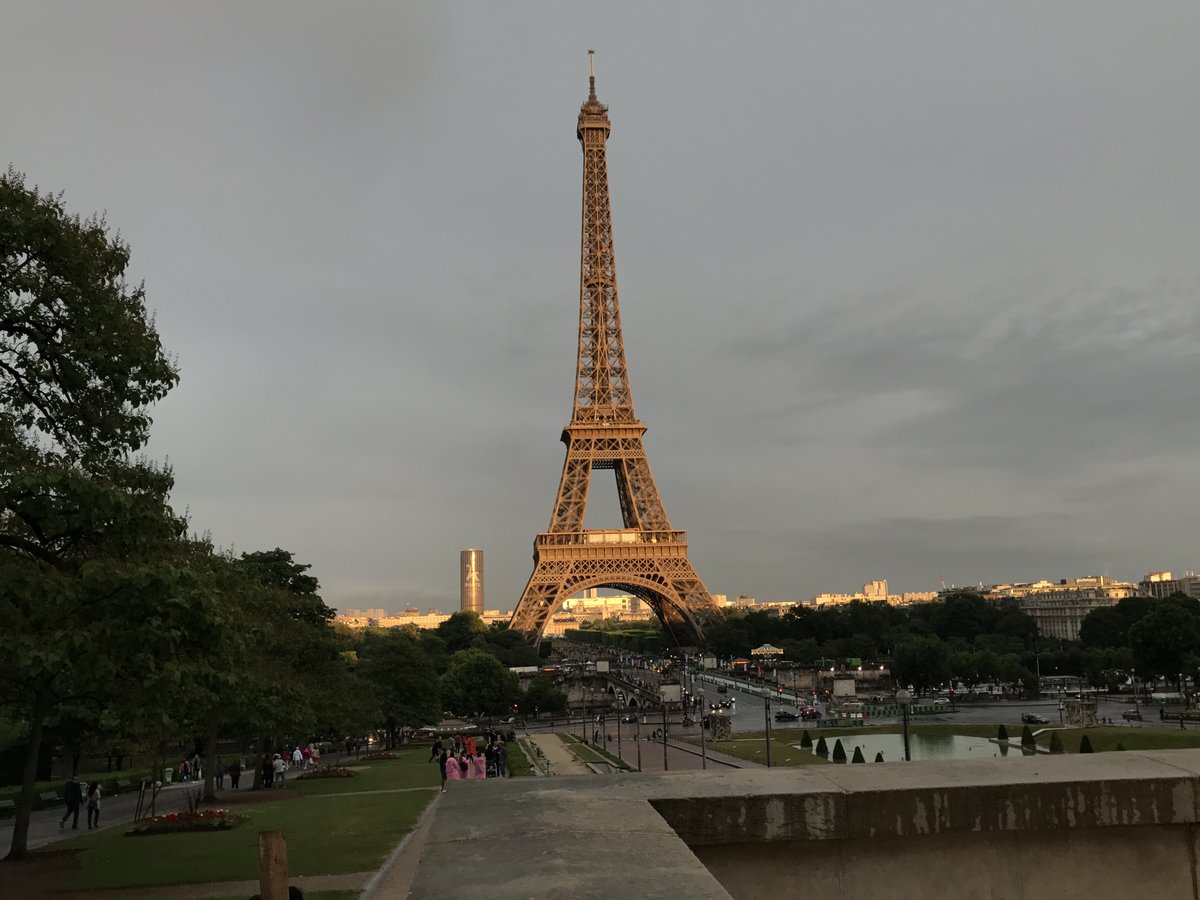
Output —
(647, 558)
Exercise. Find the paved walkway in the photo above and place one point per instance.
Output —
(562, 760)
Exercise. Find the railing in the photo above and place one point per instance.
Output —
(605, 537)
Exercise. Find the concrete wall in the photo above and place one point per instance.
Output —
(1098, 826)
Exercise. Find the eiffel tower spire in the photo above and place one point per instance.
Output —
(646, 558)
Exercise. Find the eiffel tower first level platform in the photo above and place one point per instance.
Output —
(647, 558)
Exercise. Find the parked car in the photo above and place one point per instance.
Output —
(629, 718)
(1132, 715)
(1034, 719)
(942, 701)
(786, 715)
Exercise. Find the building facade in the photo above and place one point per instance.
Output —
(470, 581)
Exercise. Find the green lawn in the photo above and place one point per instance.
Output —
(518, 763)
(334, 826)
(751, 746)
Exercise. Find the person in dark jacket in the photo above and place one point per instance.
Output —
(73, 794)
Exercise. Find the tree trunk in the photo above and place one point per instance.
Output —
(210, 763)
(19, 849)
(264, 744)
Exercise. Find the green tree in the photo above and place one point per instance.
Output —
(478, 683)
(858, 755)
(806, 740)
(542, 696)
(1164, 640)
(839, 752)
(460, 630)
(403, 680)
(879, 756)
(1085, 745)
(822, 747)
(923, 662)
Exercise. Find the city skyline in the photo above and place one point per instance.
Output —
(915, 288)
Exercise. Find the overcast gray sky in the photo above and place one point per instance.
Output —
(909, 290)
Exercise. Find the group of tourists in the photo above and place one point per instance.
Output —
(75, 794)
(459, 758)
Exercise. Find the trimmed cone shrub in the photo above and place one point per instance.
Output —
(822, 747)
(858, 757)
(879, 756)
(1120, 746)
(806, 740)
(1002, 733)
(839, 752)
(1055, 743)
(1085, 745)
(1027, 738)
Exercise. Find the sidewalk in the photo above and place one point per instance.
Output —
(562, 760)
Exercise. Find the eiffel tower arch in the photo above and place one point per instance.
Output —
(647, 558)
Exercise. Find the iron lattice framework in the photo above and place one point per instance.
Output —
(647, 558)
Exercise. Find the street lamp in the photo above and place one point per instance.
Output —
(904, 698)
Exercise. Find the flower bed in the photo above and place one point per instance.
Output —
(379, 754)
(330, 772)
(206, 820)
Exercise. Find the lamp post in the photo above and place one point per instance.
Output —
(638, 738)
(904, 698)
(767, 719)
(666, 766)
(703, 715)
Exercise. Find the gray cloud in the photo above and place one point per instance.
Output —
(904, 293)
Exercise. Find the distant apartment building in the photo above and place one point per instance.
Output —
(1059, 608)
(874, 592)
(1163, 584)
(429, 619)
(470, 581)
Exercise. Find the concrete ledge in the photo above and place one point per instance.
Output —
(561, 837)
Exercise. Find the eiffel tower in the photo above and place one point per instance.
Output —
(647, 558)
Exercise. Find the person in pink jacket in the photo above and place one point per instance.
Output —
(454, 770)
(479, 764)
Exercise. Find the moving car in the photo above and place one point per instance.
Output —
(722, 689)
(1034, 719)
(786, 715)
(810, 713)
(1132, 715)
(942, 701)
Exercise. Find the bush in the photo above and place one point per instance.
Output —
(805, 740)
(839, 752)
(1056, 745)
(330, 772)
(858, 757)
(1002, 733)
(822, 747)
(1027, 738)
(879, 756)
(1120, 746)
(1085, 745)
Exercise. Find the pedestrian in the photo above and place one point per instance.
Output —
(185, 771)
(235, 773)
(477, 763)
(443, 756)
(73, 795)
(268, 772)
(435, 752)
(220, 775)
(454, 770)
(93, 805)
(501, 760)
(280, 768)
(197, 773)
(297, 757)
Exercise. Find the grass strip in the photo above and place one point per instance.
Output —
(332, 826)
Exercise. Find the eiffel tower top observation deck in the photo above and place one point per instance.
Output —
(646, 558)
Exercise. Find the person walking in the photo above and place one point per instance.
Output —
(435, 752)
(280, 768)
(501, 760)
(442, 758)
(73, 795)
(93, 805)
(220, 772)
(235, 773)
